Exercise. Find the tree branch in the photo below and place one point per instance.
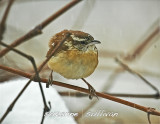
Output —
(32, 78)
(4, 18)
(102, 95)
(126, 67)
(78, 94)
(38, 29)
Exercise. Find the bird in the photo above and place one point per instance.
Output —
(77, 58)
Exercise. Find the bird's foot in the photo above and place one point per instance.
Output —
(92, 92)
(50, 80)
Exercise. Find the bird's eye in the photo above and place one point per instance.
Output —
(83, 42)
(87, 38)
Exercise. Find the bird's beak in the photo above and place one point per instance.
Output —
(94, 42)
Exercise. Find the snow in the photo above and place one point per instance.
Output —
(29, 108)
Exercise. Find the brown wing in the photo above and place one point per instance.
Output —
(55, 40)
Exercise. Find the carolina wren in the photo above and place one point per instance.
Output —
(78, 56)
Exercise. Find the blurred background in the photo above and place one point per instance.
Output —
(127, 29)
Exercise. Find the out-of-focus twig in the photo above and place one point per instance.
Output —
(78, 94)
(38, 29)
(141, 47)
(4, 18)
(126, 67)
(110, 54)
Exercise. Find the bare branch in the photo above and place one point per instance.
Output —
(32, 77)
(38, 29)
(141, 47)
(78, 94)
(137, 74)
(102, 95)
(4, 18)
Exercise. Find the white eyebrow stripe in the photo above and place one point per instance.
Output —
(77, 38)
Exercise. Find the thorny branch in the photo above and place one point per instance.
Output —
(102, 95)
(38, 29)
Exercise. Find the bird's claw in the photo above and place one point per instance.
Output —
(92, 92)
(49, 83)
(50, 80)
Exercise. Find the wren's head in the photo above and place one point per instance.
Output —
(82, 41)
(78, 40)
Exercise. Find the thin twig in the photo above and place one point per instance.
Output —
(24, 55)
(142, 46)
(14, 101)
(32, 77)
(102, 95)
(45, 61)
(105, 87)
(38, 29)
(126, 67)
(46, 108)
(136, 52)
(4, 18)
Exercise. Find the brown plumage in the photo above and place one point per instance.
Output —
(77, 58)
